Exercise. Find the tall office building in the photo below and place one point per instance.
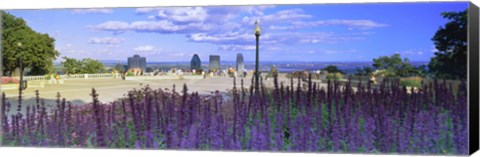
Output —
(137, 62)
(240, 64)
(214, 62)
(195, 63)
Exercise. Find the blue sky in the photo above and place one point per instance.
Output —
(322, 32)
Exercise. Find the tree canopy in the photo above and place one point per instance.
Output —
(84, 66)
(450, 60)
(120, 68)
(394, 66)
(363, 71)
(333, 69)
(37, 50)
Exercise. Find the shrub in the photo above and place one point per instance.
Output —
(274, 72)
(9, 80)
(336, 76)
(130, 73)
(411, 81)
(332, 69)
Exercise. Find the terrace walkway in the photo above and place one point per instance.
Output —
(78, 90)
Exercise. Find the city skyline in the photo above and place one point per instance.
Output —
(311, 33)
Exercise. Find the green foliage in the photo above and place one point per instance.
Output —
(274, 71)
(333, 69)
(394, 66)
(421, 70)
(336, 76)
(37, 50)
(411, 82)
(450, 61)
(363, 71)
(84, 66)
(71, 65)
(92, 66)
(120, 68)
(48, 77)
(130, 73)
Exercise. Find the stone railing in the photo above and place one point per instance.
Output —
(72, 77)
(90, 76)
(164, 77)
(32, 78)
(110, 76)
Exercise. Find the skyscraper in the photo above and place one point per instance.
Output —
(195, 63)
(240, 65)
(137, 62)
(214, 62)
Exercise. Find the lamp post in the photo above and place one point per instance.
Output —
(20, 86)
(257, 73)
(20, 63)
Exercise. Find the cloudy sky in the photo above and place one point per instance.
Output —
(326, 32)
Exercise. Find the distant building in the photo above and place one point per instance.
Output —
(240, 64)
(214, 62)
(137, 62)
(195, 63)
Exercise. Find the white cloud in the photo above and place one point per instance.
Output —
(293, 14)
(235, 41)
(69, 50)
(410, 52)
(183, 14)
(221, 38)
(147, 50)
(162, 26)
(232, 47)
(248, 47)
(278, 17)
(184, 19)
(231, 28)
(106, 40)
(178, 54)
(165, 26)
(145, 10)
(274, 27)
(324, 38)
(87, 11)
(351, 24)
(332, 51)
(114, 26)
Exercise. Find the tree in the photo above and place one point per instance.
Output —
(332, 69)
(121, 68)
(363, 71)
(84, 66)
(450, 61)
(71, 65)
(92, 66)
(394, 66)
(37, 50)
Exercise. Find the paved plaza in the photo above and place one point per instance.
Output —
(78, 91)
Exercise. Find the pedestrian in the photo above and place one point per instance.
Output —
(57, 77)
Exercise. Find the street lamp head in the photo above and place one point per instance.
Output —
(257, 28)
